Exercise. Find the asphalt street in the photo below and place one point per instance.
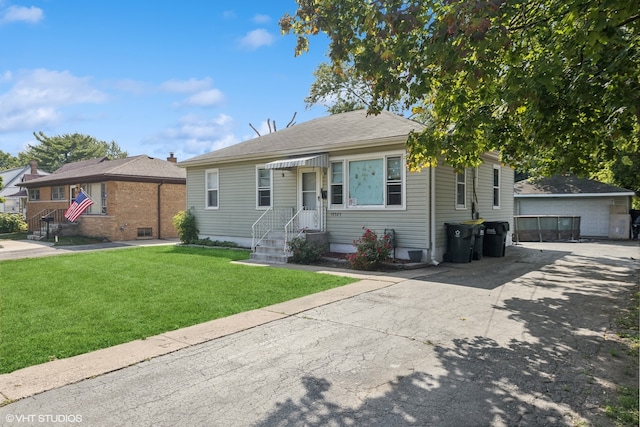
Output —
(523, 340)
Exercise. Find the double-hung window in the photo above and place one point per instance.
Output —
(376, 182)
(337, 181)
(496, 186)
(461, 189)
(57, 193)
(34, 194)
(212, 182)
(263, 188)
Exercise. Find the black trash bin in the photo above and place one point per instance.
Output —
(460, 239)
(495, 238)
(478, 241)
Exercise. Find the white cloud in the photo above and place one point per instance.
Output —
(37, 96)
(257, 38)
(229, 14)
(195, 134)
(207, 98)
(22, 14)
(261, 19)
(186, 86)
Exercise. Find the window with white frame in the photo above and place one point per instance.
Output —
(367, 182)
(57, 193)
(263, 187)
(461, 189)
(337, 181)
(212, 184)
(496, 186)
(34, 194)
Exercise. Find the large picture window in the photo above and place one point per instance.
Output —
(263, 187)
(212, 188)
(367, 182)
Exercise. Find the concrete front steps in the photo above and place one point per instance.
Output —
(271, 250)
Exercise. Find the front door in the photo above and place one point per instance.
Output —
(308, 200)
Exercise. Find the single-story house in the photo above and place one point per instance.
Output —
(133, 198)
(15, 197)
(603, 208)
(334, 177)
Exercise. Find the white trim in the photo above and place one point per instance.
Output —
(206, 189)
(369, 156)
(494, 187)
(575, 195)
(258, 168)
(457, 206)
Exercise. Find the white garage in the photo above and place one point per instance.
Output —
(570, 196)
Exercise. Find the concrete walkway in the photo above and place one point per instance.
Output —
(519, 340)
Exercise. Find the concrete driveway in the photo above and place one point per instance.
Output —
(520, 340)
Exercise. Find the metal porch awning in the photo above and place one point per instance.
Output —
(319, 160)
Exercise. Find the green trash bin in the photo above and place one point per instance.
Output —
(460, 239)
(495, 238)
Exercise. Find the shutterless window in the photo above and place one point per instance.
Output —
(57, 193)
(394, 181)
(103, 192)
(264, 188)
(145, 233)
(337, 182)
(34, 194)
(496, 186)
(212, 188)
(461, 190)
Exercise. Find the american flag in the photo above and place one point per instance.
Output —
(80, 204)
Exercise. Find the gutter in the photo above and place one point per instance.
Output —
(432, 200)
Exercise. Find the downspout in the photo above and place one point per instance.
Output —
(432, 197)
(159, 216)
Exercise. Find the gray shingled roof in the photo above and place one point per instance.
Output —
(565, 185)
(329, 133)
(138, 168)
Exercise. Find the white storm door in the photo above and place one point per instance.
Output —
(308, 192)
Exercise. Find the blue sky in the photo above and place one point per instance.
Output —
(155, 77)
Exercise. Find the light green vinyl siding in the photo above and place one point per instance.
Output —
(411, 225)
(446, 211)
(237, 199)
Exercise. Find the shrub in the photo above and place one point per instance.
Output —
(185, 223)
(304, 251)
(370, 251)
(12, 223)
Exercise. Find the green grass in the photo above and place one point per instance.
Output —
(57, 307)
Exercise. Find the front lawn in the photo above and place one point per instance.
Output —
(57, 307)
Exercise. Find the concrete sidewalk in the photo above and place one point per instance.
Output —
(17, 249)
(519, 340)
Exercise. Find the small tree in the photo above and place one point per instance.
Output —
(185, 223)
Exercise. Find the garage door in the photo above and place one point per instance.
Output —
(593, 212)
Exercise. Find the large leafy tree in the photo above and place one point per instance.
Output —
(551, 84)
(7, 161)
(55, 151)
(340, 90)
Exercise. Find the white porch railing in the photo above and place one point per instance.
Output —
(271, 220)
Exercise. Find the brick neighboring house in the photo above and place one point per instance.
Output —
(134, 198)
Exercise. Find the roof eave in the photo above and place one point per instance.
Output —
(370, 143)
(103, 177)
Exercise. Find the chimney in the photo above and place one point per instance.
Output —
(34, 167)
(172, 159)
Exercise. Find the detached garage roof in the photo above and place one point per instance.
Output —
(567, 186)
